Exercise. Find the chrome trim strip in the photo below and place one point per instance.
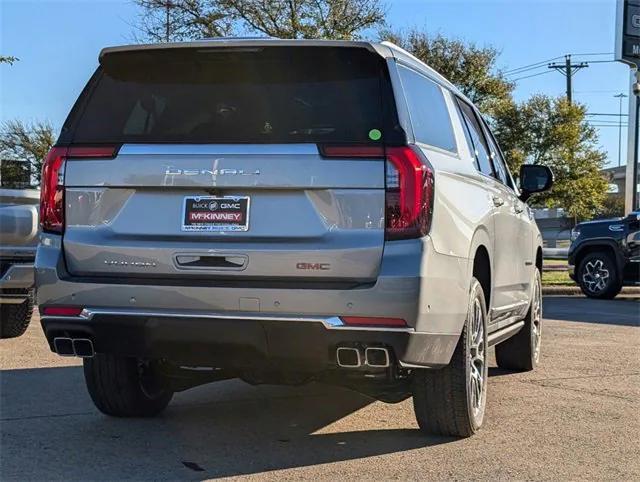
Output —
(330, 323)
(504, 333)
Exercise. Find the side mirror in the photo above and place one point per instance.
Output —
(534, 178)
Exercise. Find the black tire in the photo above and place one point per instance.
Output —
(123, 387)
(521, 352)
(443, 400)
(15, 319)
(593, 286)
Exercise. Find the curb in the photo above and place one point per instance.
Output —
(576, 291)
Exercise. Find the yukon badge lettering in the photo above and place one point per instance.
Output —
(314, 266)
(133, 264)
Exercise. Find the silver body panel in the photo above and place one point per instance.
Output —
(18, 221)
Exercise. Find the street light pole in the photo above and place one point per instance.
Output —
(620, 96)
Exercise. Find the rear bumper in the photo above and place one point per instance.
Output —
(15, 283)
(240, 341)
(18, 276)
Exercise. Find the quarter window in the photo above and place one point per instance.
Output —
(481, 150)
(498, 161)
(428, 110)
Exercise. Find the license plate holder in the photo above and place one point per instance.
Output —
(215, 213)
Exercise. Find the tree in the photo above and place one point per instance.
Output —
(555, 133)
(29, 142)
(171, 20)
(328, 19)
(470, 68)
(8, 59)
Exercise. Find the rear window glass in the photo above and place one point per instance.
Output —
(249, 95)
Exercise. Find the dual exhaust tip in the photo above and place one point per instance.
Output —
(81, 347)
(374, 357)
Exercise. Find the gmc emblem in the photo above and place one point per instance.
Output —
(314, 266)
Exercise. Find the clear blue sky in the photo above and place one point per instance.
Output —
(58, 43)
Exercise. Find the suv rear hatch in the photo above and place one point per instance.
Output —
(207, 164)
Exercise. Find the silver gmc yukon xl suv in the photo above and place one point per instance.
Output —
(286, 211)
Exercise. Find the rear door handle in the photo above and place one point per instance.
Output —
(518, 208)
(497, 201)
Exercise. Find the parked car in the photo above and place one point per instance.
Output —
(605, 255)
(18, 241)
(285, 211)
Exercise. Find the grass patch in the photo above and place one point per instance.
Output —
(556, 278)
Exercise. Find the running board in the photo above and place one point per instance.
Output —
(507, 332)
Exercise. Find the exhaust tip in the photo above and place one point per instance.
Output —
(348, 357)
(377, 357)
(83, 347)
(63, 346)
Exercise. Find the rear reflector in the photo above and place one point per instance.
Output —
(52, 185)
(370, 321)
(61, 310)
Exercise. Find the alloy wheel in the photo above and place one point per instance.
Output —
(595, 275)
(536, 320)
(477, 359)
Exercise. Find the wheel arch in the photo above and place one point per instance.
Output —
(481, 266)
(608, 246)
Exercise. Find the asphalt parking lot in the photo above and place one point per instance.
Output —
(575, 417)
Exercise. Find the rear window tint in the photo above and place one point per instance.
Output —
(257, 95)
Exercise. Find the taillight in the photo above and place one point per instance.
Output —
(52, 184)
(409, 186)
(409, 193)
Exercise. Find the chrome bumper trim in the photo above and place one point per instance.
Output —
(330, 323)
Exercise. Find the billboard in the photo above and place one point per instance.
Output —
(628, 32)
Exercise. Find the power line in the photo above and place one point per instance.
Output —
(529, 76)
(542, 62)
(593, 53)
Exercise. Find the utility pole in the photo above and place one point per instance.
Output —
(568, 69)
(620, 96)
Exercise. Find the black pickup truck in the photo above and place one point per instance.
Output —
(605, 255)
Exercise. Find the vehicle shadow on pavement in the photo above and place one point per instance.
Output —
(620, 311)
(50, 430)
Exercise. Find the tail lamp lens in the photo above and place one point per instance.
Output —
(409, 193)
(52, 187)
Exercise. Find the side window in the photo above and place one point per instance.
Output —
(428, 110)
(499, 164)
(480, 147)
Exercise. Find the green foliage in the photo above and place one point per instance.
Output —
(172, 20)
(470, 68)
(555, 133)
(612, 207)
(8, 59)
(27, 142)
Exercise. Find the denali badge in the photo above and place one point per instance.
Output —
(314, 266)
(174, 171)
